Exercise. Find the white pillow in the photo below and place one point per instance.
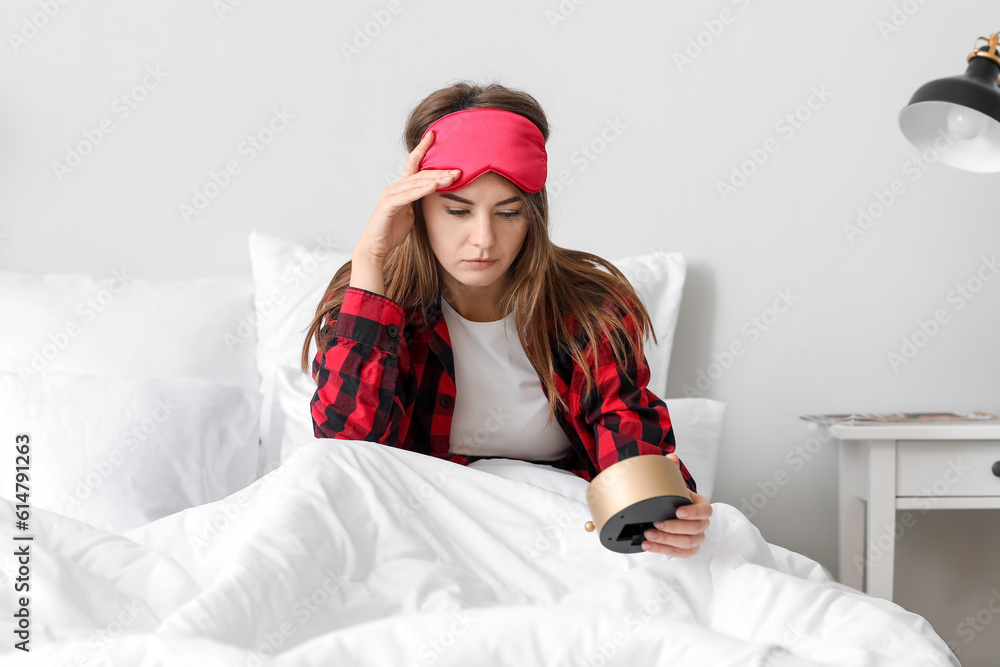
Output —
(697, 425)
(696, 422)
(289, 281)
(658, 277)
(121, 325)
(118, 452)
(291, 417)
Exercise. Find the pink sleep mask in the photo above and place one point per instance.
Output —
(487, 139)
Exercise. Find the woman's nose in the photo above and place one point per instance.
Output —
(482, 232)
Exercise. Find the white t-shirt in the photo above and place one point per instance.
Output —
(500, 408)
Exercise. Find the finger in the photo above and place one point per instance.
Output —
(696, 510)
(674, 540)
(438, 176)
(677, 552)
(417, 154)
(420, 180)
(682, 526)
(417, 186)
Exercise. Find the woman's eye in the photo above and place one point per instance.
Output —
(462, 212)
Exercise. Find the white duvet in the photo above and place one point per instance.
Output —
(354, 553)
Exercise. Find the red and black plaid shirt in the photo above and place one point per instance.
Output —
(388, 376)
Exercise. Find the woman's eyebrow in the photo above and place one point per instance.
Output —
(466, 201)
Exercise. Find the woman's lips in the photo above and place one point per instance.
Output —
(480, 264)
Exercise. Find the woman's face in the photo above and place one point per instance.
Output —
(483, 220)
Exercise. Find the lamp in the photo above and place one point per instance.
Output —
(963, 109)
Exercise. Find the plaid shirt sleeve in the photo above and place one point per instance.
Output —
(628, 420)
(357, 371)
(359, 375)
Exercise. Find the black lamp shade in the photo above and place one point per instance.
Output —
(959, 116)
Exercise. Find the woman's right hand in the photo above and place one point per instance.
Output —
(393, 216)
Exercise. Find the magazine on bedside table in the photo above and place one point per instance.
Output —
(874, 418)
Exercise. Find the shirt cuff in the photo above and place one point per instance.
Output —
(370, 319)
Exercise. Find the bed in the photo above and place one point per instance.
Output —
(181, 510)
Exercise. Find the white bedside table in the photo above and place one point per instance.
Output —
(914, 467)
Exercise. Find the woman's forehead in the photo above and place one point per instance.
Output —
(489, 185)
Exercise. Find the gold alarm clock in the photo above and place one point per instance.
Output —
(627, 497)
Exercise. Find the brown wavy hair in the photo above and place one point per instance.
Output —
(547, 282)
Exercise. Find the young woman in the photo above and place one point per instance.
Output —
(459, 330)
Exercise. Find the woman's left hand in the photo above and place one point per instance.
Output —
(680, 537)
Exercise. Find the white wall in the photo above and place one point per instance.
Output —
(681, 130)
